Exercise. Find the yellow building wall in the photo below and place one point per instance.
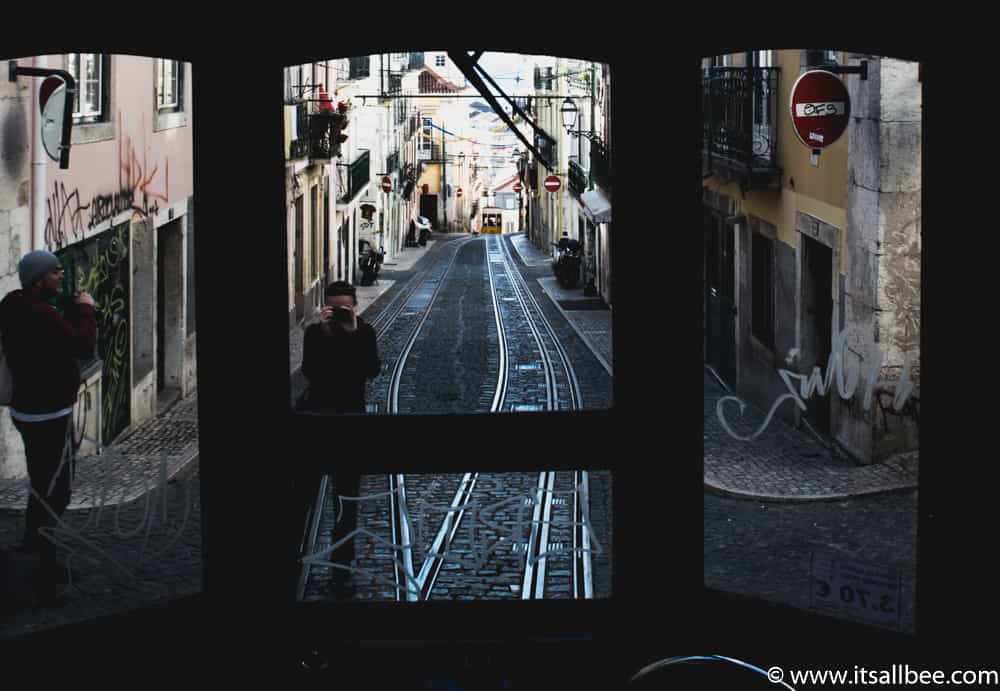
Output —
(820, 191)
(430, 177)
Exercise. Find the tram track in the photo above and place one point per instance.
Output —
(524, 335)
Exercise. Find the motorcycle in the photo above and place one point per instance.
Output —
(371, 263)
(425, 230)
(566, 265)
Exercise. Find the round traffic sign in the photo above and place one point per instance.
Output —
(821, 108)
(518, 186)
(552, 183)
(386, 184)
(459, 192)
(52, 103)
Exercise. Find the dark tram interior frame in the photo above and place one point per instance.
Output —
(649, 439)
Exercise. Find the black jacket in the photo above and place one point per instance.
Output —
(337, 364)
(42, 348)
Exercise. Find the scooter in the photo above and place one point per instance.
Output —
(425, 230)
(566, 265)
(371, 264)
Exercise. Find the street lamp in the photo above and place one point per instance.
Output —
(569, 113)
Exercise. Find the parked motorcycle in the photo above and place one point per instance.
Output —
(566, 265)
(424, 224)
(371, 263)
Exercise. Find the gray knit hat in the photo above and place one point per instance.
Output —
(34, 265)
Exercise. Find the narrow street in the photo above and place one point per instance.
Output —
(470, 330)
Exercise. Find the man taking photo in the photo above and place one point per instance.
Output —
(42, 348)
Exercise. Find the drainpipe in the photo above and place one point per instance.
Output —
(39, 165)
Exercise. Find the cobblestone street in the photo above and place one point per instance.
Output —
(137, 554)
(777, 503)
(765, 550)
(132, 530)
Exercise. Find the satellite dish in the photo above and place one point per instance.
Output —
(52, 101)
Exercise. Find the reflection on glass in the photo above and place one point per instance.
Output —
(811, 221)
(472, 536)
(480, 265)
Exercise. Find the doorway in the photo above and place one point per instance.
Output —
(299, 265)
(170, 327)
(429, 208)
(817, 323)
(720, 296)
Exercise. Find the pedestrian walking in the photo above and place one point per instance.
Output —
(42, 345)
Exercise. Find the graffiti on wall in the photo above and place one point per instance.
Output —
(843, 373)
(100, 266)
(137, 191)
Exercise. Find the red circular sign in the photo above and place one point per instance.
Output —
(459, 193)
(552, 183)
(386, 184)
(518, 187)
(820, 107)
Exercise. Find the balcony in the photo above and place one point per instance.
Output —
(577, 177)
(740, 121)
(354, 177)
(324, 133)
(429, 152)
(390, 84)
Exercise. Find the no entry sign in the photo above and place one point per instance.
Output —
(459, 192)
(552, 183)
(518, 187)
(386, 184)
(821, 108)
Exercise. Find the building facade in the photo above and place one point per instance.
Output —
(572, 105)
(348, 127)
(813, 260)
(121, 220)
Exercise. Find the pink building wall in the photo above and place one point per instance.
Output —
(138, 172)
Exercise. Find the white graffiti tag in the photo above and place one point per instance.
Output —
(843, 370)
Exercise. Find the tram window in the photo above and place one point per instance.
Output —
(828, 508)
(132, 430)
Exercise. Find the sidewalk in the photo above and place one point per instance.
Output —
(786, 464)
(156, 452)
(588, 316)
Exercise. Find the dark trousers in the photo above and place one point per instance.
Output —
(49, 451)
(346, 485)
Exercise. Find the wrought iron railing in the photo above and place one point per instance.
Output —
(392, 82)
(740, 116)
(429, 153)
(324, 135)
(354, 177)
(600, 164)
(360, 67)
(577, 177)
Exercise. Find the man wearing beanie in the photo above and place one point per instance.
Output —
(42, 347)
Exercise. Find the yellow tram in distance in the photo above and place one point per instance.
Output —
(492, 220)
